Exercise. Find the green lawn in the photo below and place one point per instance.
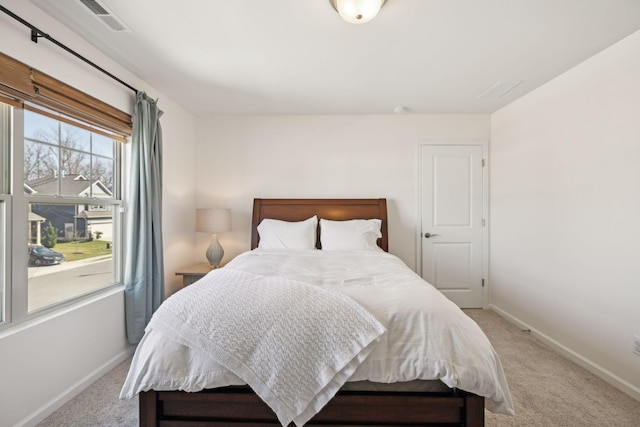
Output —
(74, 251)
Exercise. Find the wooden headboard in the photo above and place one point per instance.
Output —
(334, 209)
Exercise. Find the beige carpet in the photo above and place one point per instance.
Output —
(547, 389)
(98, 405)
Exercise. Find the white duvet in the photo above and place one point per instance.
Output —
(427, 337)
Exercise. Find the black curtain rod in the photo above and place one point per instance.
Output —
(35, 33)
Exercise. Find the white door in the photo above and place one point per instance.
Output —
(452, 208)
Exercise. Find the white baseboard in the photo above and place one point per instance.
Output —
(57, 402)
(580, 360)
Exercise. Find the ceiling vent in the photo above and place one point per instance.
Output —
(103, 14)
(499, 89)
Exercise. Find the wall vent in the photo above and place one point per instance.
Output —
(105, 16)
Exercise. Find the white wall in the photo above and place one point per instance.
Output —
(565, 203)
(46, 361)
(240, 158)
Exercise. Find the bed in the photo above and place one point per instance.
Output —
(368, 395)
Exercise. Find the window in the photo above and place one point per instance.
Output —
(68, 162)
(60, 193)
(5, 135)
(69, 247)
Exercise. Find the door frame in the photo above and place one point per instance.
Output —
(485, 206)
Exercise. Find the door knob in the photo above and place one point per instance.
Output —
(427, 235)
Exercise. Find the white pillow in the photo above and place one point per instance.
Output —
(350, 235)
(278, 234)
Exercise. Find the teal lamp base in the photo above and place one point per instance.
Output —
(214, 252)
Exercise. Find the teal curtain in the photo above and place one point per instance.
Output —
(144, 265)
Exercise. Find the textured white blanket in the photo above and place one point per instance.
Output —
(295, 344)
(427, 337)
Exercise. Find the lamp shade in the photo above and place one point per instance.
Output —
(215, 220)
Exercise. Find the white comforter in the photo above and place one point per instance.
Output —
(427, 337)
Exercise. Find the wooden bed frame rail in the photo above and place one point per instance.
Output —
(238, 406)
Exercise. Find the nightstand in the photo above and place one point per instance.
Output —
(193, 273)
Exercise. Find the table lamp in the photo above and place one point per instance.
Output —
(213, 221)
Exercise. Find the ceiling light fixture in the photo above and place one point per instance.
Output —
(357, 11)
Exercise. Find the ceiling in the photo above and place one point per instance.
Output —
(299, 56)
